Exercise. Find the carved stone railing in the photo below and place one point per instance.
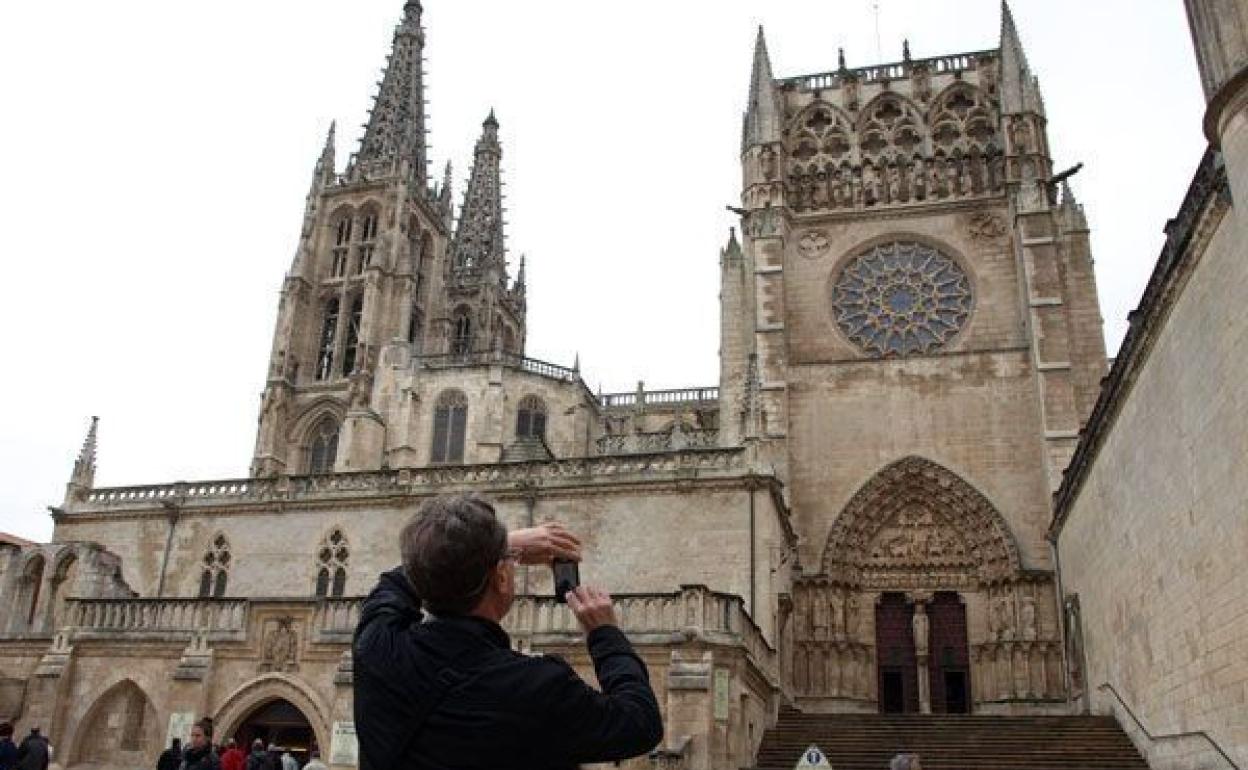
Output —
(409, 480)
(677, 397)
(891, 71)
(499, 358)
(218, 618)
(335, 619)
(694, 612)
(666, 441)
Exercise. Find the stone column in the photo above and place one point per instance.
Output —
(919, 625)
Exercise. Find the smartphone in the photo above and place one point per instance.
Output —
(567, 577)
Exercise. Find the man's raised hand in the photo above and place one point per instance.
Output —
(544, 543)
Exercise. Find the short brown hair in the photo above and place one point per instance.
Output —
(449, 548)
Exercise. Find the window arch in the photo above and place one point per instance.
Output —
(342, 245)
(331, 565)
(33, 580)
(329, 330)
(351, 352)
(368, 238)
(450, 417)
(461, 342)
(531, 418)
(216, 568)
(415, 325)
(323, 446)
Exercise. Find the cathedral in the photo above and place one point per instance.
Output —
(917, 488)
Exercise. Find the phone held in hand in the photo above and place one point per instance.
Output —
(567, 577)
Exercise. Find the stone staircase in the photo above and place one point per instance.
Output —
(953, 742)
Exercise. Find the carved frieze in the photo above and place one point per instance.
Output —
(814, 244)
(985, 227)
(281, 646)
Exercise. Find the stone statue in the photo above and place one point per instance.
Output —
(851, 615)
(919, 625)
(280, 648)
(1027, 618)
(837, 612)
(768, 163)
(820, 617)
(1002, 623)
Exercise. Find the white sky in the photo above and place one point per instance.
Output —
(158, 154)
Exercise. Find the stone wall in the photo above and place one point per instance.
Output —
(1151, 526)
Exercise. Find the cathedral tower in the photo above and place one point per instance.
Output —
(372, 270)
(911, 339)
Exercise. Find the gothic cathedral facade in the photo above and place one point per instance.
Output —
(911, 343)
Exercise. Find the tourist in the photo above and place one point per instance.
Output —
(232, 758)
(288, 762)
(199, 755)
(452, 692)
(258, 759)
(315, 763)
(8, 750)
(905, 762)
(171, 757)
(35, 753)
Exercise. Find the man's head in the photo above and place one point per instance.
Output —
(230, 744)
(455, 555)
(257, 745)
(6, 730)
(201, 734)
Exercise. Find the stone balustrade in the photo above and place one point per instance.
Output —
(218, 618)
(666, 441)
(882, 72)
(693, 458)
(677, 397)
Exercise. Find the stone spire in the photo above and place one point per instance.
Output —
(446, 203)
(396, 126)
(478, 239)
(762, 116)
(1020, 89)
(731, 254)
(83, 477)
(519, 287)
(1070, 212)
(325, 166)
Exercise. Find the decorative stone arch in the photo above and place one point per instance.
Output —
(264, 689)
(139, 734)
(940, 101)
(308, 420)
(916, 516)
(909, 108)
(819, 152)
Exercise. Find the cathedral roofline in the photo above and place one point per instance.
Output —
(898, 70)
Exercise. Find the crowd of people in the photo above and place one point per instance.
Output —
(203, 754)
(34, 752)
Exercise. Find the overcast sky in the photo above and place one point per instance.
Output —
(157, 156)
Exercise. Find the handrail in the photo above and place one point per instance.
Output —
(1169, 736)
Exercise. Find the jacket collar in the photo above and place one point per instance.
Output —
(487, 631)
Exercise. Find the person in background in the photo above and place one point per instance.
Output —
(35, 753)
(232, 758)
(905, 762)
(288, 761)
(171, 757)
(257, 759)
(199, 755)
(315, 763)
(8, 749)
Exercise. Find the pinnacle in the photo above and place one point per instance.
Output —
(491, 121)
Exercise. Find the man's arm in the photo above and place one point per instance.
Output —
(391, 606)
(623, 720)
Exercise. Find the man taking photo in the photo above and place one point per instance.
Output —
(437, 684)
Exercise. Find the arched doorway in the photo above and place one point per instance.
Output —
(119, 730)
(279, 723)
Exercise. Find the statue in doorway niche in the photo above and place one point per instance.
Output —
(836, 612)
(919, 625)
(851, 615)
(1027, 618)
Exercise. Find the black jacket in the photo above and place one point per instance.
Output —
(501, 710)
(33, 753)
(170, 759)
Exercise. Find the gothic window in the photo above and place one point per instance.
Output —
(323, 446)
(531, 418)
(331, 565)
(368, 237)
(33, 580)
(415, 325)
(329, 329)
(449, 420)
(901, 298)
(215, 569)
(351, 351)
(819, 147)
(461, 343)
(342, 246)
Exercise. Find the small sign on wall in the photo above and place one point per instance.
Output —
(723, 694)
(180, 724)
(813, 757)
(344, 749)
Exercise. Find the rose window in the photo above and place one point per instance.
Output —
(901, 298)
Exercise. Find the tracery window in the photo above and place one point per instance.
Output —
(450, 417)
(323, 446)
(415, 325)
(342, 246)
(531, 418)
(901, 298)
(351, 351)
(461, 343)
(216, 568)
(331, 565)
(329, 330)
(368, 236)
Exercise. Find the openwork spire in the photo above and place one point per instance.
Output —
(1020, 90)
(479, 236)
(396, 126)
(325, 166)
(762, 115)
(1070, 211)
(84, 466)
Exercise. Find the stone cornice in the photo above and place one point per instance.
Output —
(1207, 199)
